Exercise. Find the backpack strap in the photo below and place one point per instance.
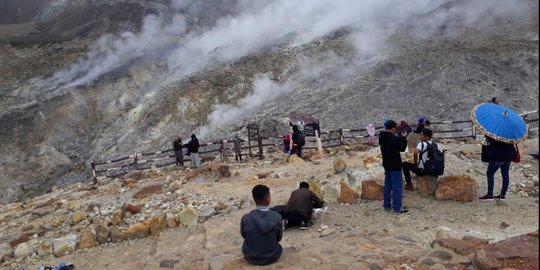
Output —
(422, 151)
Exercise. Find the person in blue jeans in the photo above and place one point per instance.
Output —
(500, 156)
(391, 146)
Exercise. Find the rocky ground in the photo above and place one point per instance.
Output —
(189, 219)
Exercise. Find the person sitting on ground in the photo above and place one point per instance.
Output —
(262, 230)
(420, 156)
(300, 206)
(420, 126)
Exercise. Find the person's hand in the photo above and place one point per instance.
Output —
(404, 134)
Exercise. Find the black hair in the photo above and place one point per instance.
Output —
(494, 99)
(427, 123)
(295, 129)
(427, 132)
(304, 185)
(193, 136)
(260, 192)
(390, 124)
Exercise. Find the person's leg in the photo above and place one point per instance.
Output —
(407, 167)
(197, 160)
(240, 155)
(387, 190)
(193, 162)
(505, 168)
(236, 157)
(493, 166)
(397, 189)
(176, 155)
(299, 151)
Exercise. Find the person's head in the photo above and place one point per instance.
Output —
(495, 100)
(427, 123)
(391, 126)
(295, 129)
(178, 137)
(304, 185)
(403, 123)
(426, 135)
(420, 120)
(193, 136)
(261, 195)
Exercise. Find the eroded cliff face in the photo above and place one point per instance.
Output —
(50, 132)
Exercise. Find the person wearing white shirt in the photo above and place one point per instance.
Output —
(420, 156)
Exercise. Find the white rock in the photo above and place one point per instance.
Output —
(23, 250)
(64, 245)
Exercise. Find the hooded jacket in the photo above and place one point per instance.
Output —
(391, 146)
(193, 145)
(262, 231)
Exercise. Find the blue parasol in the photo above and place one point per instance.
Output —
(499, 123)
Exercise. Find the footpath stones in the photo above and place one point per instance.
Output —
(5, 251)
(174, 186)
(520, 252)
(347, 195)
(23, 250)
(64, 245)
(133, 209)
(372, 190)
(458, 188)
(188, 216)
(87, 239)
(44, 248)
(102, 233)
(117, 235)
(77, 217)
(205, 212)
(152, 226)
(465, 246)
(147, 191)
(339, 165)
(117, 217)
(427, 184)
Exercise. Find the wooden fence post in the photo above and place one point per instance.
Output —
(94, 176)
(473, 131)
(249, 142)
(319, 143)
(259, 141)
(136, 160)
(341, 136)
(221, 151)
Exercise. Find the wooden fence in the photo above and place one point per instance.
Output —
(223, 148)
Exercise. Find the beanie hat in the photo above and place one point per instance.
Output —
(420, 120)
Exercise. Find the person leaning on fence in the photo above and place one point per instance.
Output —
(262, 230)
(193, 151)
(420, 156)
(177, 147)
(500, 156)
(237, 147)
(391, 146)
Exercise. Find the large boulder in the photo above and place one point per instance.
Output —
(315, 187)
(188, 216)
(329, 194)
(87, 240)
(520, 252)
(427, 185)
(5, 251)
(23, 250)
(347, 195)
(372, 190)
(458, 188)
(102, 233)
(64, 245)
(339, 165)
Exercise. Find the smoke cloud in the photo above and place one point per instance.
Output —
(246, 27)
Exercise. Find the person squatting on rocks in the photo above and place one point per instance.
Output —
(300, 206)
(177, 147)
(237, 147)
(262, 230)
(193, 151)
(391, 146)
(420, 156)
(500, 156)
(298, 141)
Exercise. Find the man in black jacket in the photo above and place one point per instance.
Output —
(300, 206)
(391, 146)
(193, 151)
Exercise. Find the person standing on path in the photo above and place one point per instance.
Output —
(391, 146)
(500, 155)
(177, 147)
(193, 151)
(299, 140)
(237, 147)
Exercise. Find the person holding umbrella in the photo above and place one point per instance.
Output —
(503, 129)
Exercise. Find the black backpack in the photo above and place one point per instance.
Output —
(434, 165)
(301, 140)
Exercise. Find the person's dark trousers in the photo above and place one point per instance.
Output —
(393, 188)
(238, 156)
(295, 219)
(297, 150)
(411, 167)
(493, 166)
(179, 157)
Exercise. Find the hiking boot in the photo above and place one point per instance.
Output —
(486, 198)
(403, 211)
(305, 226)
(500, 197)
(409, 187)
(387, 209)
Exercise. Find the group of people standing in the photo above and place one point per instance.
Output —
(192, 151)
